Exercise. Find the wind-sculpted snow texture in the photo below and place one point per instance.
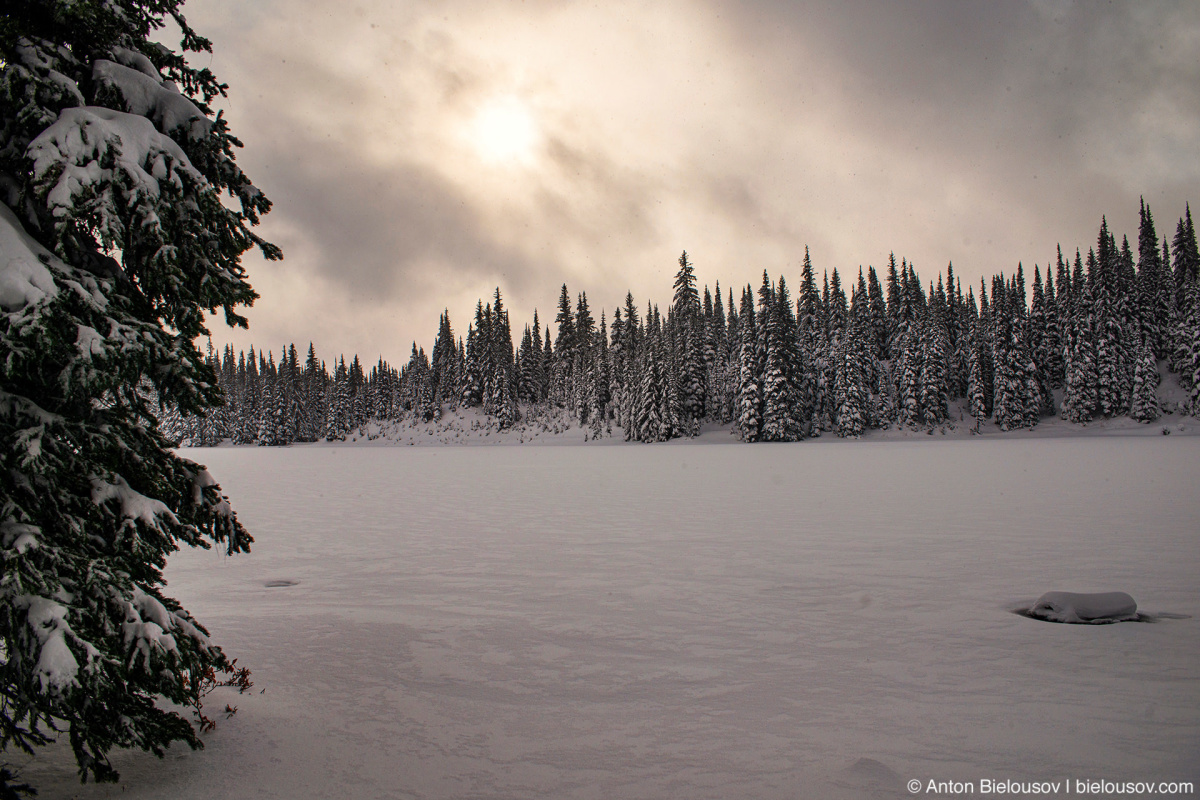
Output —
(822, 619)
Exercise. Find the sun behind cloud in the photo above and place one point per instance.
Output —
(505, 132)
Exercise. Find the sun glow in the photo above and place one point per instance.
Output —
(505, 132)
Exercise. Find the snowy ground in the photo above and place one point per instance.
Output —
(822, 619)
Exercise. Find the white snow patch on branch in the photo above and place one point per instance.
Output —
(19, 536)
(136, 60)
(201, 481)
(30, 440)
(24, 278)
(15, 404)
(56, 667)
(31, 56)
(147, 95)
(147, 625)
(83, 138)
(89, 342)
(134, 504)
(66, 83)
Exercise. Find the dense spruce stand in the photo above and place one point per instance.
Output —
(115, 240)
(1098, 332)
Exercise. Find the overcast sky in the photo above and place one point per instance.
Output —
(419, 154)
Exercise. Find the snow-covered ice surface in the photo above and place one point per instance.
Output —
(824, 619)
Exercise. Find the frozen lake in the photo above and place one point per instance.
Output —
(691, 621)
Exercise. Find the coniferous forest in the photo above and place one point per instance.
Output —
(838, 354)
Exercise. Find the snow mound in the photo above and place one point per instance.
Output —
(1096, 608)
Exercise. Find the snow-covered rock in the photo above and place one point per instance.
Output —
(1084, 608)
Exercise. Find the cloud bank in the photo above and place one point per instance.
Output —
(978, 133)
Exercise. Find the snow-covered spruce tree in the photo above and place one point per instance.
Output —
(583, 365)
(443, 360)
(314, 396)
(1079, 402)
(749, 397)
(358, 393)
(337, 408)
(813, 344)
(1187, 257)
(782, 399)
(1006, 381)
(1150, 294)
(562, 362)
(625, 370)
(686, 324)
(713, 347)
(418, 386)
(851, 396)
(853, 368)
(976, 399)
(654, 420)
(471, 395)
(908, 379)
(1040, 339)
(1111, 360)
(527, 362)
(114, 241)
(1186, 327)
(501, 386)
(244, 429)
(1057, 305)
(957, 325)
(1188, 336)
(600, 413)
(934, 398)
(1143, 402)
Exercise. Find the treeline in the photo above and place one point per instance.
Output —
(894, 351)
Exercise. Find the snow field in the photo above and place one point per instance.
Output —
(822, 619)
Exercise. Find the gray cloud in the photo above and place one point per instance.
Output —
(976, 132)
(1072, 109)
(381, 233)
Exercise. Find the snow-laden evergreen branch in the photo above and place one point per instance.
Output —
(114, 242)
